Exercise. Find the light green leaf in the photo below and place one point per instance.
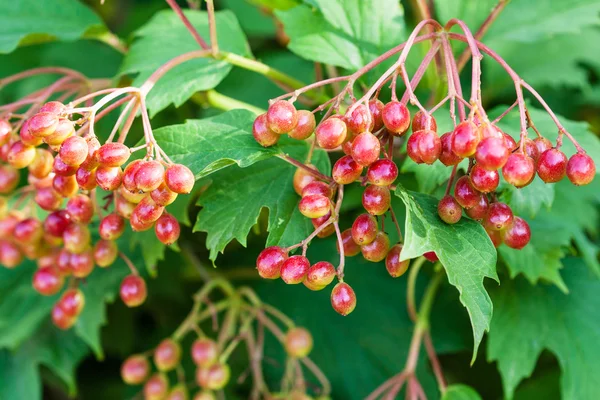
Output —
(530, 319)
(460, 392)
(232, 203)
(165, 37)
(464, 249)
(527, 201)
(32, 21)
(345, 33)
(210, 144)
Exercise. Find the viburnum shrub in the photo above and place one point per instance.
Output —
(367, 129)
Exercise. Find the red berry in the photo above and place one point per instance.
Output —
(491, 153)
(167, 229)
(111, 227)
(74, 151)
(359, 120)
(53, 107)
(326, 231)
(5, 131)
(163, 196)
(331, 133)
(518, 234)
(364, 229)
(133, 290)
(156, 387)
(41, 166)
(314, 206)
(105, 252)
(20, 155)
(396, 117)
(109, 178)
(27, 138)
(262, 133)
(80, 208)
(282, 117)
(542, 144)
(530, 148)
(10, 255)
(43, 124)
(135, 370)
(319, 275)
(179, 179)
(137, 225)
(366, 149)
(449, 210)
(64, 130)
(394, 266)
(317, 187)
(412, 147)
(350, 247)
(346, 170)
(376, 107)
(167, 355)
(479, 211)
(294, 269)
(48, 199)
(499, 217)
(377, 249)
(465, 193)
(113, 154)
(422, 122)
(519, 170)
(147, 211)
(76, 237)
(465, 139)
(343, 298)
(62, 320)
(149, 176)
(82, 264)
(430, 146)
(47, 281)
(205, 352)
(214, 377)
(581, 169)
(305, 126)
(302, 177)
(431, 256)
(269, 262)
(382, 172)
(72, 302)
(298, 342)
(484, 180)
(9, 179)
(66, 186)
(510, 143)
(552, 166)
(29, 230)
(129, 174)
(56, 222)
(376, 199)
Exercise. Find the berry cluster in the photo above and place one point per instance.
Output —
(66, 167)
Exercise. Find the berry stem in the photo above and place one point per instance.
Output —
(453, 78)
(411, 287)
(42, 71)
(298, 164)
(173, 4)
(212, 27)
(435, 47)
(130, 264)
(435, 362)
(395, 220)
(451, 180)
(494, 122)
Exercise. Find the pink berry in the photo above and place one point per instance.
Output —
(282, 117)
(376, 108)
(167, 229)
(305, 126)
(377, 249)
(350, 247)
(149, 176)
(519, 170)
(343, 298)
(382, 172)
(491, 153)
(113, 154)
(298, 342)
(422, 122)
(359, 120)
(294, 269)
(269, 262)
(396, 117)
(135, 370)
(133, 290)
(449, 210)
(552, 166)
(465, 193)
(47, 281)
(319, 275)
(364, 229)
(262, 133)
(499, 217)
(479, 211)
(366, 149)
(412, 147)
(394, 266)
(518, 234)
(581, 169)
(331, 133)
(179, 179)
(465, 139)
(314, 206)
(74, 151)
(346, 170)
(484, 180)
(376, 199)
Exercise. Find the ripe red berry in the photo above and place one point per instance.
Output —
(47, 281)
(41, 166)
(9, 179)
(364, 229)
(298, 342)
(163, 196)
(147, 211)
(319, 275)
(149, 176)
(62, 320)
(518, 234)
(376, 107)
(74, 151)
(82, 264)
(205, 352)
(135, 370)
(53, 107)
(343, 298)
(167, 355)
(412, 147)
(519, 170)
(20, 155)
(430, 146)
(366, 149)
(423, 122)
(167, 229)
(282, 117)
(314, 206)
(294, 269)
(449, 210)
(27, 138)
(510, 143)
(302, 177)
(396, 117)
(530, 148)
(479, 211)
(382, 172)
(376, 250)
(72, 302)
(376, 199)
(552, 166)
(76, 237)
(105, 252)
(43, 124)
(80, 208)
(10, 255)
(542, 144)
(124, 208)
(262, 133)
(465, 139)
(29, 230)
(394, 266)
(48, 199)
(109, 178)
(113, 154)
(581, 169)
(326, 231)
(137, 225)
(359, 120)
(331, 133)
(214, 377)
(129, 174)
(111, 227)
(484, 180)
(305, 126)
(156, 388)
(179, 178)
(431, 256)
(269, 262)
(66, 186)
(64, 130)
(350, 247)
(133, 290)
(465, 193)
(491, 153)
(317, 187)
(346, 170)
(499, 217)
(5, 131)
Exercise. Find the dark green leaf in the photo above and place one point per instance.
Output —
(460, 392)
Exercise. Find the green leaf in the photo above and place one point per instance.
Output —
(210, 144)
(460, 392)
(165, 37)
(464, 249)
(32, 21)
(345, 33)
(527, 201)
(232, 203)
(530, 319)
